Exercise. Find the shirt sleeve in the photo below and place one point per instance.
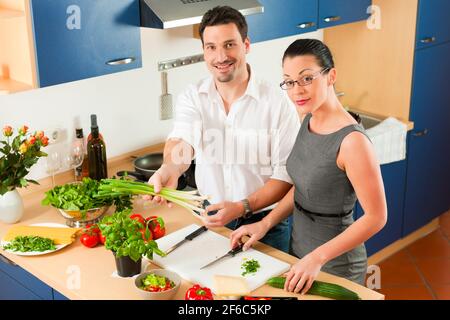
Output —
(187, 122)
(283, 139)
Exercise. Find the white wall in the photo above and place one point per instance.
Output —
(126, 103)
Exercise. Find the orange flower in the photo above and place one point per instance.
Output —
(23, 148)
(7, 131)
(39, 135)
(23, 130)
(44, 141)
(31, 140)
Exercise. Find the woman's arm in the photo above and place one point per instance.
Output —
(257, 230)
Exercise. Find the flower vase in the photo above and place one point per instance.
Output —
(11, 207)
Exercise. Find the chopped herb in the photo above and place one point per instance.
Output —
(30, 243)
(250, 266)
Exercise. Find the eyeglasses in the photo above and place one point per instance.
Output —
(303, 81)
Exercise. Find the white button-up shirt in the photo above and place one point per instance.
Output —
(236, 153)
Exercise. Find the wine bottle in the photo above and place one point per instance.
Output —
(98, 167)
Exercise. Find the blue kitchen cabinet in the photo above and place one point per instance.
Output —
(394, 180)
(282, 19)
(433, 25)
(16, 283)
(428, 173)
(58, 296)
(336, 12)
(79, 39)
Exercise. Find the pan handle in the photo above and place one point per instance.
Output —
(135, 174)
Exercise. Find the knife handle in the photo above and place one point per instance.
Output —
(236, 250)
(196, 233)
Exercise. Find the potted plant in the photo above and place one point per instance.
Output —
(129, 240)
(17, 155)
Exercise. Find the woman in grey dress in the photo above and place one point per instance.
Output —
(332, 164)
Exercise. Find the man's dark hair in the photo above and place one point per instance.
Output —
(223, 15)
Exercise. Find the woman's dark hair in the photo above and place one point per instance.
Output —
(313, 47)
(223, 15)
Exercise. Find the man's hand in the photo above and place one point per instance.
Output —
(165, 176)
(226, 211)
(255, 231)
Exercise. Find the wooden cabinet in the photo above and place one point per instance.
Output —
(428, 175)
(433, 25)
(282, 20)
(79, 39)
(50, 42)
(336, 12)
(291, 17)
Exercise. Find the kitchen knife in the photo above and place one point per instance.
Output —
(189, 237)
(230, 253)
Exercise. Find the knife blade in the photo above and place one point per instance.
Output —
(230, 253)
(189, 237)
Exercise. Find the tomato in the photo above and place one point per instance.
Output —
(92, 227)
(138, 218)
(157, 226)
(89, 239)
(146, 234)
(101, 238)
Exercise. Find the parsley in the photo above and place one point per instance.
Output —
(30, 243)
(250, 266)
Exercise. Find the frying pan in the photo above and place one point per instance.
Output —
(147, 165)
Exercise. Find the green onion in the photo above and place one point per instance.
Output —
(189, 200)
(250, 267)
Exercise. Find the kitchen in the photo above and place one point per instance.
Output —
(112, 97)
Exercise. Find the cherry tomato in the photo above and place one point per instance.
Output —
(101, 238)
(89, 239)
(138, 218)
(92, 228)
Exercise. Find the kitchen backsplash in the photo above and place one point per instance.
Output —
(126, 103)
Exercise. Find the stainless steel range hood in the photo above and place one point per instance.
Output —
(164, 14)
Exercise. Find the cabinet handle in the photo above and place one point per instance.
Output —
(116, 62)
(7, 261)
(428, 40)
(420, 133)
(332, 19)
(306, 25)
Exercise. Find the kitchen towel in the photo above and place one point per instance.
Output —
(389, 140)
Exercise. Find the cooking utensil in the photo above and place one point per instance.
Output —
(189, 237)
(230, 253)
(146, 166)
(166, 105)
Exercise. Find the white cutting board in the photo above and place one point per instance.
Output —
(187, 259)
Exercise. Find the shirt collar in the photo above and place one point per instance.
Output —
(252, 90)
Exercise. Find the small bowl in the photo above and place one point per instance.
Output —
(163, 295)
(76, 218)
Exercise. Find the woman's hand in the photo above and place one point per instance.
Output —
(303, 273)
(255, 231)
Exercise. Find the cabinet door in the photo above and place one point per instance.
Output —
(282, 19)
(428, 173)
(79, 39)
(336, 12)
(26, 279)
(12, 290)
(433, 23)
(394, 180)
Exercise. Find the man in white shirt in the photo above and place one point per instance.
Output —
(239, 129)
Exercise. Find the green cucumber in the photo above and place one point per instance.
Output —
(319, 288)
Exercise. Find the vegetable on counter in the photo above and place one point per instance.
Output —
(319, 288)
(155, 283)
(30, 243)
(90, 238)
(124, 237)
(82, 197)
(250, 266)
(157, 226)
(198, 293)
(187, 199)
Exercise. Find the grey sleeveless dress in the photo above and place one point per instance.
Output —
(324, 199)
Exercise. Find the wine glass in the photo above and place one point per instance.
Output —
(53, 164)
(74, 158)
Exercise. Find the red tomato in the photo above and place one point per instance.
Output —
(157, 227)
(138, 218)
(89, 239)
(92, 228)
(101, 238)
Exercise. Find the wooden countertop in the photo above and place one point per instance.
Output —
(94, 267)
